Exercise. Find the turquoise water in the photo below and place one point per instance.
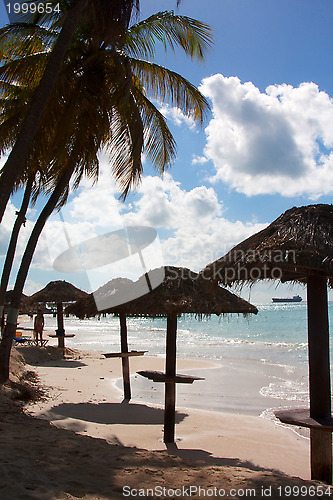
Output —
(261, 361)
(278, 334)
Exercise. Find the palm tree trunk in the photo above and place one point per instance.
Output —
(7, 267)
(16, 160)
(13, 310)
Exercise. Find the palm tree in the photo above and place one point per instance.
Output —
(110, 15)
(7, 267)
(13, 106)
(33, 186)
(102, 97)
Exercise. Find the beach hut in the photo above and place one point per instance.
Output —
(58, 292)
(182, 291)
(296, 247)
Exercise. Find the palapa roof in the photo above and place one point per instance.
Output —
(9, 294)
(181, 291)
(298, 244)
(58, 291)
(114, 292)
(24, 304)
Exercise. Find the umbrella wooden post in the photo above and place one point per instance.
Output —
(60, 330)
(170, 387)
(319, 377)
(125, 359)
(321, 455)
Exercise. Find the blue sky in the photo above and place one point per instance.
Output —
(265, 148)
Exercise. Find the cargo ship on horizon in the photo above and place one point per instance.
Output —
(295, 298)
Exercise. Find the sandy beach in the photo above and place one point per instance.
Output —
(84, 398)
(56, 455)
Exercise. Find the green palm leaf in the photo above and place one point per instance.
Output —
(163, 84)
(160, 146)
(20, 40)
(190, 35)
(102, 98)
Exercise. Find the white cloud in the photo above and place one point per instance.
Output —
(177, 116)
(199, 160)
(6, 227)
(6, 231)
(191, 225)
(31, 287)
(97, 203)
(277, 141)
(94, 210)
(164, 204)
(192, 228)
(198, 232)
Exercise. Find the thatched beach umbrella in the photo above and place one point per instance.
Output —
(113, 293)
(58, 292)
(24, 305)
(296, 247)
(181, 291)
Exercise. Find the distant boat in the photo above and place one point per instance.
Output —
(295, 298)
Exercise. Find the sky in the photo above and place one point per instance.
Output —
(265, 147)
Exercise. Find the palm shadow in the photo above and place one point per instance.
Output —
(198, 455)
(74, 466)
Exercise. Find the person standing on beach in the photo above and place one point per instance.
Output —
(39, 326)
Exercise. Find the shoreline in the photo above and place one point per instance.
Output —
(85, 397)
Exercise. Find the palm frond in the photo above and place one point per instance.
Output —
(192, 36)
(101, 98)
(125, 158)
(160, 146)
(20, 40)
(163, 84)
(26, 71)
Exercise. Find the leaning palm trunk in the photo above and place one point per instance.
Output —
(20, 220)
(16, 160)
(10, 328)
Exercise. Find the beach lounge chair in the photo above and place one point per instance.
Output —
(29, 341)
(23, 340)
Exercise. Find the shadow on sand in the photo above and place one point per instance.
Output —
(71, 465)
(207, 457)
(112, 413)
(51, 356)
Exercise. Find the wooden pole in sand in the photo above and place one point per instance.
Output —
(319, 376)
(60, 321)
(125, 359)
(170, 387)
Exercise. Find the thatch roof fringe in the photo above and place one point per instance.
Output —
(181, 291)
(58, 291)
(297, 244)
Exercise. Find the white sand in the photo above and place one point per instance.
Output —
(84, 398)
(229, 456)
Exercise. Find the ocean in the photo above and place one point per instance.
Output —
(259, 362)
